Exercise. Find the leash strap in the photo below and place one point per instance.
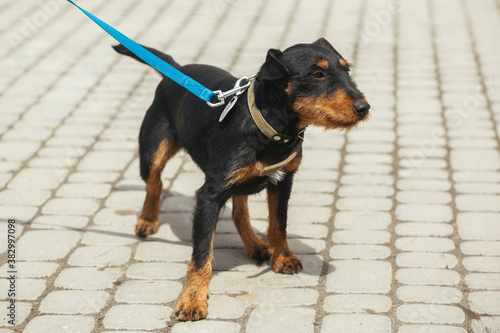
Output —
(161, 66)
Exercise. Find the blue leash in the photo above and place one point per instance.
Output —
(161, 66)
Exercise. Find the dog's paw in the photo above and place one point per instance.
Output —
(259, 251)
(286, 264)
(191, 308)
(145, 228)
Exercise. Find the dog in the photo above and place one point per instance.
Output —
(257, 146)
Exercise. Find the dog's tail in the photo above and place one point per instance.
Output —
(165, 57)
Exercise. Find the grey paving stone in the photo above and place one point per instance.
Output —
(478, 203)
(359, 252)
(26, 289)
(365, 191)
(126, 199)
(63, 206)
(99, 256)
(19, 213)
(31, 269)
(23, 309)
(480, 226)
(276, 319)
(485, 302)
(477, 188)
(427, 260)
(226, 307)
(307, 199)
(74, 302)
(422, 197)
(354, 303)
(363, 204)
(109, 236)
(206, 327)
(383, 180)
(423, 185)
(24, 197)
(157, 270)
(430, 313)
(225, 282)
(361, 237)
(143, 291)
(286, 297)
(105, 161)
(425, 244)
(482, 264)
(38, 179)
(483, 280)
(429, 294)
(485, 248)
(60, 324)
(476, 176)
(471, 160)
(87, 278)
(430, 329)
(486, 324)
(43, 245)
(137, 316)
(311, 186)
(116, 216)
(367, 169)
(423, 213)
(362, 220)
(94, 177)
(17, 151)
(158, 251)
(94, 191)
(427, 276)
(359, 276)
(356, 323)
(59, 222)
(423, 229)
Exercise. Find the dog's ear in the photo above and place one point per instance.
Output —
(325, 43)
(273, 68)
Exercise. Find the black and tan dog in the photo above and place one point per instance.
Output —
(257, 146)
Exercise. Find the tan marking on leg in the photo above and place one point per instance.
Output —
(283, 260)
(328, 111)
(243, 174)
(342, 62)
(148, 222)
(193, 305)
(294, 164)
(323, 63)
(255, 247)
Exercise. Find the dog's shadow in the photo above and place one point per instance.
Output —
(176, 228)
(229, 253)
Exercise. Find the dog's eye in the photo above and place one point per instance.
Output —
(318, 75)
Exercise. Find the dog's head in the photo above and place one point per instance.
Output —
(315, 82)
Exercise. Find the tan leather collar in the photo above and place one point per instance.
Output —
(271, 133)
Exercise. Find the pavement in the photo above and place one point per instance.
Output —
(397, 222)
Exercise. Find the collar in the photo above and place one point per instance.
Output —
(272, 134)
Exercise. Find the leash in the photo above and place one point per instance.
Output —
(174, 74)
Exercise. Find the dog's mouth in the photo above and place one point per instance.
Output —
(338, 110)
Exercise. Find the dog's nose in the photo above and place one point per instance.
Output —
(361, 109)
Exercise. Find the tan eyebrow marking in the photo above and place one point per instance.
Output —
(323, 63)
(342, 62)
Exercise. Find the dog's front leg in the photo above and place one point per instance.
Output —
(282, 259)
(192, 304)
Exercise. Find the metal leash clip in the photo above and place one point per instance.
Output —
(239, 87)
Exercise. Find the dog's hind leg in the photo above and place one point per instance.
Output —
(255, 247)
(157, 145)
